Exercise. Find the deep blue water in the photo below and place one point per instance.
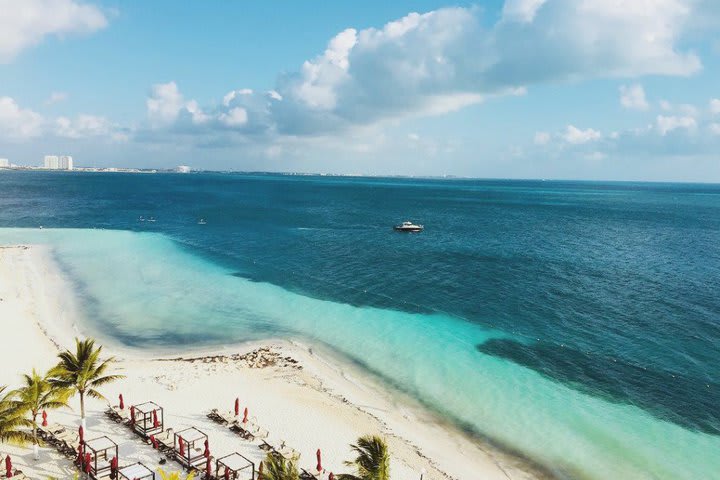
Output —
(609, 289)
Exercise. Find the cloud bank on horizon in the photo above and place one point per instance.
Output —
(423, 65)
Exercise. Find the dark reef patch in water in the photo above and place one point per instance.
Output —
(686, 401)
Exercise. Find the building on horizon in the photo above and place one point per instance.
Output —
(183, 169)
(4, 163)
(54, 162)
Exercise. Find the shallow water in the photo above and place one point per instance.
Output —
(573, 322)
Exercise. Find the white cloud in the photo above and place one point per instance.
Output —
(666, 124)
(231, 95)
(633, 97)
(56, 97)
(24, 23)
(234, 118)
(541, 138)
(576, 136)
(414, 137)
(83, 126)
(17, 123)
(665, 105)
(715, 106)
(714, 128)
(521, 10)
(165, 103)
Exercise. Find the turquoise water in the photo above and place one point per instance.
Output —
(596, 393)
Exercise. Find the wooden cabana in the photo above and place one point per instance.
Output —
(145, 415)
(136, 471)
(193, 446)
(101, 450)
(237, 465)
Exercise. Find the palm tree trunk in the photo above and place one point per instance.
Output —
(35, 440)
(82, 405)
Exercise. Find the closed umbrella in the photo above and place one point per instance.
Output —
(156, 423)
(44, 415)
(154, 442)
(182, 446)
(331, 476)
(319, 459)
(88, 461)
(227, 473)
(237, 407)
(122, 402)
(245, 415)
(113, 468)
(81, 434)
(260, 471)
(208, 467)
(8, 467)
(132, 415)
(207, 449)
(79, 459)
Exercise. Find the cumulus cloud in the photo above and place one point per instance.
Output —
(665, 124)
(715, 106)
(25, 23)
(17, 123)
(633, 97)
(575, 135)
(446, 59)
(83, 126)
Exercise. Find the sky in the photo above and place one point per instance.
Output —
(553, 89)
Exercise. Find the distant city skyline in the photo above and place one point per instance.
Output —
(554, 89)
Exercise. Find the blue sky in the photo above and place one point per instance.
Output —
(591, 89)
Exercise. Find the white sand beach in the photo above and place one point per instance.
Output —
(300, 394)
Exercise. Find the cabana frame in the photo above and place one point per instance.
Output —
(194, 441)
(237, 464)
(143, 423)
(136, 471)
(103, 449)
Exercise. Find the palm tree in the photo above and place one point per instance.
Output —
(83, 371)
(12, 418)
(38, 394)
(372, 461)
(174, 475)
(278, 468)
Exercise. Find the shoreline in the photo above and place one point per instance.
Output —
(327, 390)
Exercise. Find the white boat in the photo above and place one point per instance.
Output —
(202, 222)
(408, 227)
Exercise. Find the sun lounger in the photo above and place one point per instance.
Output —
(165, 440)
(286, 452)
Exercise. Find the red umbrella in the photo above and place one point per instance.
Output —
(237, 407)
(79, 459)
(227, 473)
(156, 423)
(207, 449)
(44, 414)
(260, 470)
(154, 442)
(81, 434)
(208, 467)
(132, 415)
(8, 467)
(245, 415)
(122, 402)
(88, 460)
(319, 465)
(331, 476)
(182, 447)
(113, 467)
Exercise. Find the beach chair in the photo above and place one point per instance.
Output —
(166, 440)
(287, 452)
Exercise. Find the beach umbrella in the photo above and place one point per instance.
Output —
(79, 459)
(156, 423)
(81, 434)
(122, 402)
(8, 467)
(207, 449)
(227, 473)
(88, 462)
(182, 447)
(113, 468)
(154, 442)
(331, 476)
(245, 415)
(44, 415)
(208, 467)
(319, 459)
(237, 407)
(132, 415)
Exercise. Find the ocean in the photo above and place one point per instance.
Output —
(576, 323)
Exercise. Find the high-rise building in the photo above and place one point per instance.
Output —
(4, 163)
(65, 162)
(52, 162)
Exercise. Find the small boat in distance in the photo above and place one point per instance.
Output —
(202, 222)
(151, 219)
(408, 227)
